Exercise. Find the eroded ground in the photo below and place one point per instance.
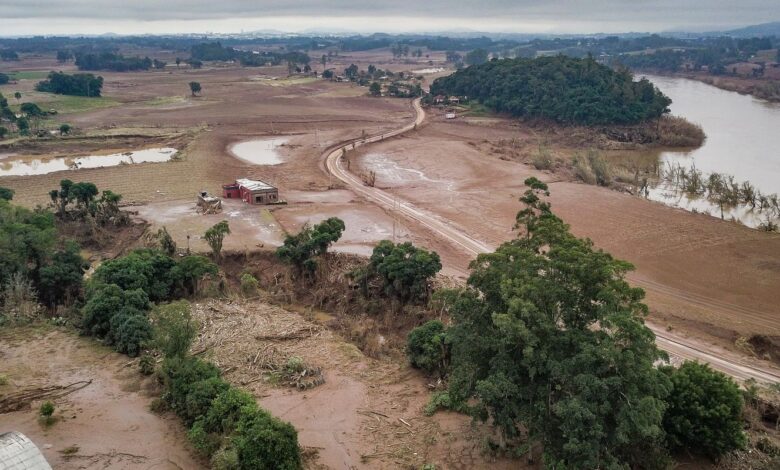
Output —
(106, 424)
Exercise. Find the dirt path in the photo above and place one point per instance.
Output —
(468, 245)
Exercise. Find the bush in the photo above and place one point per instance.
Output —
(265, 442)
(145, 269)
(204, 442)
(583, 171)
(226, 458)
(201, 395)
(146, 364)
(225, 411)
(132, 334)
(704, 411)
(46, 409)
(179, 375)
(427, 348)
(248, 285)
(106, 301)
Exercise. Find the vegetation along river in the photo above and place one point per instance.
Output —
(743, 141)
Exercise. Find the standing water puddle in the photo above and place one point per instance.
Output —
(260, 151)
(27, 167)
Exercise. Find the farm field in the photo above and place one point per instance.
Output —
(709, 282)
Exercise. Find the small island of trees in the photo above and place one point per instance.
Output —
(564, 89)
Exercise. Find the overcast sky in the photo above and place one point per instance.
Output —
(24, 17)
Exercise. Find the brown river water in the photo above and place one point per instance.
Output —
(743, 140)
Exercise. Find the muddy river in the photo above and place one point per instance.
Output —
(743, 139)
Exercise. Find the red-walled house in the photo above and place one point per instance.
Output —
(251, 191)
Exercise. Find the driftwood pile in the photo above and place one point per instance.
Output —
(22, 399)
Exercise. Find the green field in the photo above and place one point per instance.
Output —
(63, 104)
(28, 75)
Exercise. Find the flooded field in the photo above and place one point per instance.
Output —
(742, 143)
(260, 151)
(15, 165)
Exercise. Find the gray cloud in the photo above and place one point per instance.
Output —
(594, 15)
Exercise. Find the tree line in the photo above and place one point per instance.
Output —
(563, 89)
(78, 84)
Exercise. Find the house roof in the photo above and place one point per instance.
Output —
(18, 452)
(254, 185)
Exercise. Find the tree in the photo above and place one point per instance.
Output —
(215, 236)
(108, 306)
(23, 124)
(17, 95)
(65, 129)
(6, 194)
(175, 330)
(4, 78)
(375, 89)
(265, 442)
(3, 132)
(704, 413)
(64, 56)
(61, 280)
(189, 271)
(405, 270)
(195, 88)
(31, 109)
(302, 250)
(427, 348)
(476, 57)
(167, 244)
(549, 336)
(146, 269)
(178, 62)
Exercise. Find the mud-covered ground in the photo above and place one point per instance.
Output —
(106, 424)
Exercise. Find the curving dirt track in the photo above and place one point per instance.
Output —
(676, 345)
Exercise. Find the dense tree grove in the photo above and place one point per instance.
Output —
(564, 89)
(111, 61)
(215, 51)
(79, 84)
(4, 79)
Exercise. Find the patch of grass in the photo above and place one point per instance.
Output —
(476, 109)
(164, 101)
(29, 74)
(77, 104)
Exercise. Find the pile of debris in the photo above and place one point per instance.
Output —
(257, 344)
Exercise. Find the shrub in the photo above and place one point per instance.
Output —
(704, 411)
(204, 442)
(145, 269)
(201, 395)
(146, 364)
(265, 442)
(225, 411)
(133, 334)
(427, 348)
(248, 285)
(225, 458)
(46, 409)
(583, 171)
(179, 375)
(600, 169)
(216, 234)
(106, 301)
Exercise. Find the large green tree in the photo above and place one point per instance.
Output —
(406, 271)
(549, 339)
(303, 249)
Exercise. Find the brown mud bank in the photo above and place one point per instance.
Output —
(106, 424)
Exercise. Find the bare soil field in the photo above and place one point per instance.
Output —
(702, 274)
(106, 424)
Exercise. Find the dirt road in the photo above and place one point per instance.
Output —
(676, 345)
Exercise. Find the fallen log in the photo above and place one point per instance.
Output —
(22, 399)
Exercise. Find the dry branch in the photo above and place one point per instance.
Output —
(23, 398)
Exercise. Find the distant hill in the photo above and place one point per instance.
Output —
(764, 29)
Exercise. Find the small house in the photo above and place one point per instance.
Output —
(439, 99)
(251, 191)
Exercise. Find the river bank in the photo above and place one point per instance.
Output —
(762, 88)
